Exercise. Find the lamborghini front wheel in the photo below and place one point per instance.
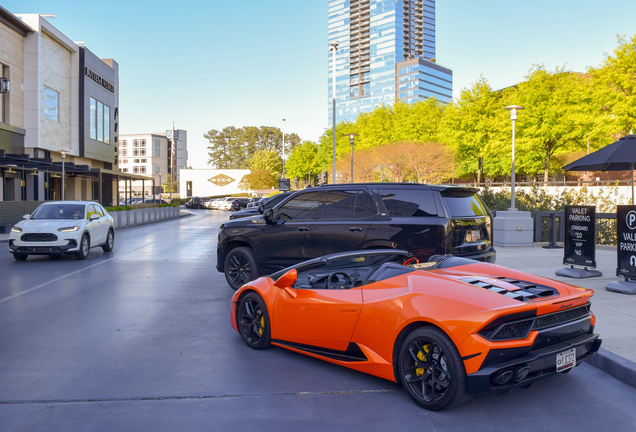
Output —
(431, 370)
(253, 321)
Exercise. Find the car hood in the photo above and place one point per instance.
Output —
(48, 224)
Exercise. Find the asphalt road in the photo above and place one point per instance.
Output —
(139, 340)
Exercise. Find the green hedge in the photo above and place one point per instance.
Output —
(119, 208)
(539, 199)
(139, 206)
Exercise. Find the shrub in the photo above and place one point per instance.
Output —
(539, 199)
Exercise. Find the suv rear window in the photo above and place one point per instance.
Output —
(408, 202)
(464, 205)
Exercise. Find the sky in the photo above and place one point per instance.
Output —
(216, 63)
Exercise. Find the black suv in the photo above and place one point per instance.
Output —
(423, 219)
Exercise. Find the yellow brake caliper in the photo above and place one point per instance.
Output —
(421, 357)
(260, 330)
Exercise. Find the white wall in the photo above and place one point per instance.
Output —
(202, 186)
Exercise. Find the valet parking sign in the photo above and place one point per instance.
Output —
(580, 234)
(626, 241)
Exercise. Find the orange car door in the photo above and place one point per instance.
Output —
(319, 317)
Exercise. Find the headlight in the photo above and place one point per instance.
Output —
(69, 229)
(221, 228)
(16, 229)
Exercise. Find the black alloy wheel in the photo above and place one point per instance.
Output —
(110, 241)
(240, 267)
(431, 370)
(84, 248)
(20, 256)
(253, 321)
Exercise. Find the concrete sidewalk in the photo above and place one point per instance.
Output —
(615, 313)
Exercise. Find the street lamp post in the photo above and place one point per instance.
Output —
(160, 187)
(334, 48)
(352, 138)
(63, 153)
(283, 148)
(513, 116)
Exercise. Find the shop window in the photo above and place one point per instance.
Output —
(49, 104)
(100, 121)
(106, 124)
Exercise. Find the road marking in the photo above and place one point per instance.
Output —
(42, 285)
(223, 396)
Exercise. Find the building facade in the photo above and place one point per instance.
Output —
(211, 182)
(150, 155)
(59, 119)
(385, 52)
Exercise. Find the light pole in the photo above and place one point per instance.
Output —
(334, 48)
(63, 153)
(160, 187)
(352, 138)
(283, 148)
(513, 116)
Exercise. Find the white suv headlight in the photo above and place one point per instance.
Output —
(16, 229)
(69, 229)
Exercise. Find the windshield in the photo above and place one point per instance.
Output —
(59, 211)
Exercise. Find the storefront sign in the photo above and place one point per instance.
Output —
(169, 134)
(626, 241)
(99, 80)
(221, 180)
(580, 235)
(284, 185)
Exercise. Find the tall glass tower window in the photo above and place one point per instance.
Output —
(374, 37)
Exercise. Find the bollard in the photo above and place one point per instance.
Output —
(553, 233)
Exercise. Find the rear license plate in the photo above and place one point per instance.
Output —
(566, 360)
(476, 235)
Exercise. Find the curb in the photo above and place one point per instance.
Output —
(614, 366)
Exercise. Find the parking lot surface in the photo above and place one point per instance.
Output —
(139, 340)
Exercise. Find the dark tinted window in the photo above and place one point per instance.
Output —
(409, 202)
(365, 205)
(273, 201)
(462, 206)
(304, 206)
(340, 204)
(59, 211)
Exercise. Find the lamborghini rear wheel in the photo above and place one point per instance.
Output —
(431, 370)
(253, 321)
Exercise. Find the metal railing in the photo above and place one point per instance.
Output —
(556, 227)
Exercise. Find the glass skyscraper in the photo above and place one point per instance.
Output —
(386, 51)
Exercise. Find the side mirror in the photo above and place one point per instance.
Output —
(286, 281)
(268, 214)
(261, 209)
(93, 217)
(26, 216)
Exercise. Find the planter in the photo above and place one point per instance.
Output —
(125, 218)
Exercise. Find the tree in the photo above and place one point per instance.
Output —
(165, 186)
(227, 150)
(303, 160)
(615, 85)
(259, 179)
(556, 117)
(267, 160)
(234, 148)
(472, 127)
(430, 162)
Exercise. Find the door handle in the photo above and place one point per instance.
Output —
(348, 308)
(352, 229)
(304, 228)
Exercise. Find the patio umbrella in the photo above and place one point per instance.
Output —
(620, 156)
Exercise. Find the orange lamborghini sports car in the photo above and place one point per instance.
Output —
(444, 329)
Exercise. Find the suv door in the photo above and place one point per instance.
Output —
(284, 240)
(409, 221)
(346, 217)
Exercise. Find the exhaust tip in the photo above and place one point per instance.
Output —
(522, 373)
(502, 377)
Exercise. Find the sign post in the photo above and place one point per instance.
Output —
(284, 185)
(579, 242)
(625, 250)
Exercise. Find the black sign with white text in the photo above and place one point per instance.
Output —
(626, 241)
(284, 185)
(580, 235)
